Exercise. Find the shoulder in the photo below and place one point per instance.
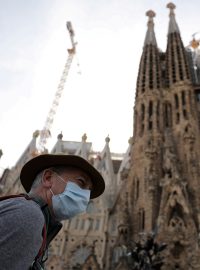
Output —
(21, 225)
(22, 211)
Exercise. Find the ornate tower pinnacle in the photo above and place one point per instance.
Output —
(84, 137)
(176, 60)
(150, 35)
(173, 26)
(148, 81)
(107, 139)
(171, 6)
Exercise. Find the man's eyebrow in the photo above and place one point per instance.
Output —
(82, 178)
(86, 179)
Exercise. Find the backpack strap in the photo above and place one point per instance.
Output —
(43, 246)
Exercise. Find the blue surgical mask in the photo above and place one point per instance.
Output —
(74, 200)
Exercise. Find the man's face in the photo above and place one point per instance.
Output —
(60, 180)
(55, 182)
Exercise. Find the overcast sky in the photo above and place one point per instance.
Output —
(100, 100)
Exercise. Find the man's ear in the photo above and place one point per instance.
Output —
(47, 179)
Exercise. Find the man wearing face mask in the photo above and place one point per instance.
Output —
(58, 188)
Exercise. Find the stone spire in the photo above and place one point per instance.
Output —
(149, 75)
(150, 35)
(82, 150)
(148, 81)
(176, 60)
(173, 26)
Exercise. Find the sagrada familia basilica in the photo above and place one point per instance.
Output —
(155, 185)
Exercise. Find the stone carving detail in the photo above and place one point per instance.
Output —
(189, 136)
(175, 219)
(189, 140)
(170, 165)
(150, 150)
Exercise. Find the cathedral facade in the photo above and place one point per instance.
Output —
(155, 186)
(164, 178)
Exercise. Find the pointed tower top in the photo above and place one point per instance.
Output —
(36, 134)
(150, 35)
(150, 14)
(84, 137)
(107, 139)
(173, 26)
(60, 136)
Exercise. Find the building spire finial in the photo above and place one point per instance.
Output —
(173, 27)
(150, 35)
(171, 6)
(151, 14)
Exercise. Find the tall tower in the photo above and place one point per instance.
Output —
(164, 181)
(146, 155)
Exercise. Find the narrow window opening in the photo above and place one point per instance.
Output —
(183, 98)
(176, 101)
(142, 118)
(143, 112)
(143, 219)
(166, 116)
(135, 122)
(137, 189)
(190, 98)
(157, 114)
(177, 117)
(150, 115)
(185, 114)
(197, 92)
(139, 221)
(142, 129)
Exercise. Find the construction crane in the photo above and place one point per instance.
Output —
(45, 133)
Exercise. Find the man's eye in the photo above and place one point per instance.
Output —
(81, 181)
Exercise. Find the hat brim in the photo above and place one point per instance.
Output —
(41, 162)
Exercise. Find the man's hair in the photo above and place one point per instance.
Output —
(37, 181)
(57, 169)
